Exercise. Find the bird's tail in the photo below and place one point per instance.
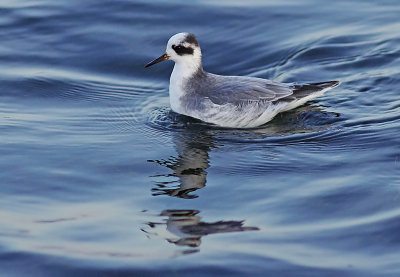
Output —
(304, 90)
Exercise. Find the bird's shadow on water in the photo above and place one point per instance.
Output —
(194, 140)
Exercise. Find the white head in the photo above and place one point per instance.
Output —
(183, 49)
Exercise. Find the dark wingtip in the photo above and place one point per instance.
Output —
(329, 84)
(335, 83)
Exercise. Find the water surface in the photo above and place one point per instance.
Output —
(100, 178)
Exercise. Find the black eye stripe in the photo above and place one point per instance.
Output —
(181, 50)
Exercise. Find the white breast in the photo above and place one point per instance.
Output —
(176, 87)
(176, 91)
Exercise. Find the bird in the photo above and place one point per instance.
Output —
(228, 101)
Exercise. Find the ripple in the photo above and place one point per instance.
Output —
(164, 119)
(82, 90)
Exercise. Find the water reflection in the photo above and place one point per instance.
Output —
(185, 227)
(194, 140)
(189, 166)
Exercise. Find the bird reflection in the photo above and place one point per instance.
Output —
(189, 166)
(185, 227)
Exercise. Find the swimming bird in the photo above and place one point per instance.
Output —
(228, 101)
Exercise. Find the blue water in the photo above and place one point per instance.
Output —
(99, 178)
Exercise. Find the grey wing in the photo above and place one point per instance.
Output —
(242, 90)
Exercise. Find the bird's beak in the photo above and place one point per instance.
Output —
(160, 59)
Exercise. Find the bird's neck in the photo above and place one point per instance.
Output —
(186, 69)
(181, 73)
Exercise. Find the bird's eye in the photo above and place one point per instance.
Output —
(182, 50)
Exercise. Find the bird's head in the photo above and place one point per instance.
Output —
(182, 48)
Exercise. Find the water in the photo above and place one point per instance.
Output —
(100, 178)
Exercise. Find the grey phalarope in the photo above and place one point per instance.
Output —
(228, 101)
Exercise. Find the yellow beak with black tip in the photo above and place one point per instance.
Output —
(159, 59)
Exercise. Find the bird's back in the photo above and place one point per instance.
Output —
(236, 90)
